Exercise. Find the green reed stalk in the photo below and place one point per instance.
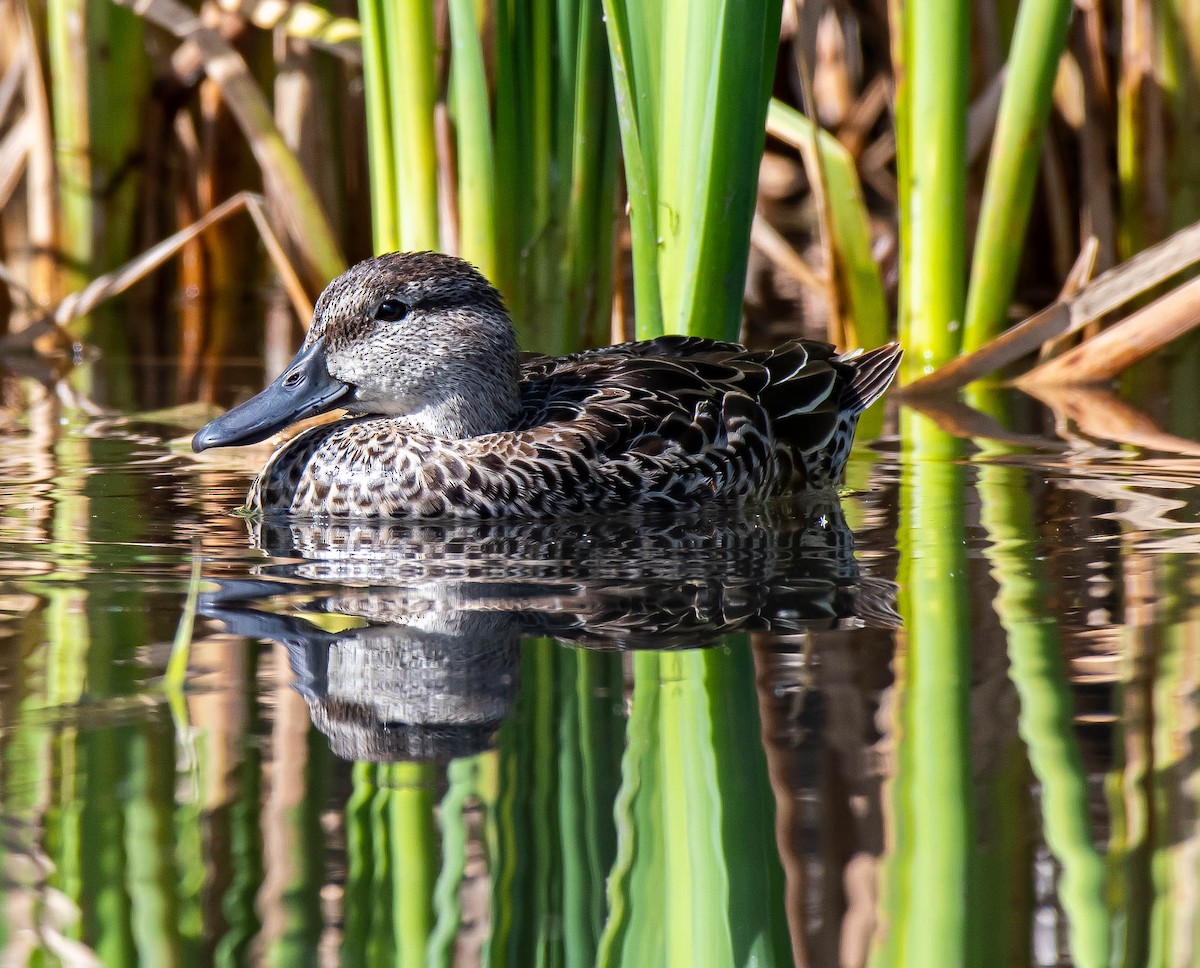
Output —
(99, 79)
(1038, 40)
(590, 136)
(535, 175)
(400, 78)
(555, 162)
(633, 69)
(931, 168)
(1046, 719)
(385, 203)
(900, 48)
(692, 84)
(84, 127)
(413, 93)
(476, 161)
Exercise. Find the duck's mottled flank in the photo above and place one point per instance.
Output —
(452, 422)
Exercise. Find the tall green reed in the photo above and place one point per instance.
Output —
(1037, 44)
(692, 81)
(930, 51)
(535, 168)
(99, 83)
(100, 80)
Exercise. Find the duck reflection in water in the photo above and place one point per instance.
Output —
(405, 638)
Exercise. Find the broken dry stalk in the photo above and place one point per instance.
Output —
(308, 225)
(1108, 292)
(1125, 343)
(113, 283)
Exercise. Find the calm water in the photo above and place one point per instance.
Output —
(948, 721)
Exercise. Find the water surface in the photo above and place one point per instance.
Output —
(947, 720)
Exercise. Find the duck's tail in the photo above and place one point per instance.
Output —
(874, 372)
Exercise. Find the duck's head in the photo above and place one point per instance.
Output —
(415, 334)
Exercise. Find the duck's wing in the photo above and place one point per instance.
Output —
(679, 420)
(539, 366)
(804, 389)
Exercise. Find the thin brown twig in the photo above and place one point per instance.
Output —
(1079, 276)
(768, 240)
(14, 155)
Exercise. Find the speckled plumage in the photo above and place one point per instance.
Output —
(453, 423)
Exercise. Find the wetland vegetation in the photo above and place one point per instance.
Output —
(949, 719)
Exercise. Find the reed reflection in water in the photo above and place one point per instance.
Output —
(616, 742)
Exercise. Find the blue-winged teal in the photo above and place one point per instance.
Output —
(449, 419)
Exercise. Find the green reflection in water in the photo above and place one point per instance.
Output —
(697, 879)
(927, 899)
(394, 857)
(158, 845)
(551, 836)
(1046, 718)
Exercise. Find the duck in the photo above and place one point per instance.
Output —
(447, 418)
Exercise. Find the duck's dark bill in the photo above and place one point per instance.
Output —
(304, 389)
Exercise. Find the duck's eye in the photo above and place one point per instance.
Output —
(391, 311)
